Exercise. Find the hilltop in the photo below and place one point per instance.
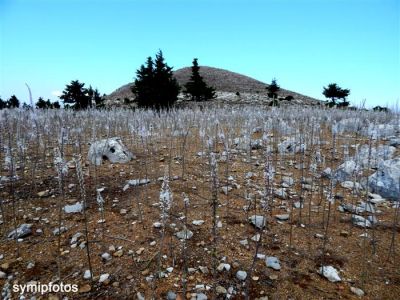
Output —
(230, 87)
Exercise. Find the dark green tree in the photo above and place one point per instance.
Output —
(95, 98)
(3, 104)
(334, 92)
(13, 102)
(273, 89)
(196, 88)
(155, 86)
(42, 104)
(56, 105)
(76, 96)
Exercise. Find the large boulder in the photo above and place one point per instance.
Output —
(385, 181)
(346, 171)
(111, 149)
(378, 154)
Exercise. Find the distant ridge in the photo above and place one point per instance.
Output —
(222, 80)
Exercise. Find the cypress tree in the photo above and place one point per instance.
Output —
(196, 88)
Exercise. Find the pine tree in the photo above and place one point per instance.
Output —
(334, 92)
(13, 102)
(273, 89)
(196, 88)
(41, 103)
(76, 95)
(95, 98)
(3, 104)
(155, 86)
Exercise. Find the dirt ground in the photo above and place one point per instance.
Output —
(365, 263)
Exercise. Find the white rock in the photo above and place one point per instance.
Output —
(241, 275)
(73, 208)
(87, 274)
(346, 170)
(184, 234)
(106, 256)
(257, 221)
(360, 221)
(385, 181)
(111, 149)
(104, 277)
(273, 262)
(357, 291)
(330, 273)
(198, 222)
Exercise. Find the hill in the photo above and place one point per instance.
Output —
(227, 85)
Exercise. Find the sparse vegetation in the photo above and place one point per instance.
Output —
(280, 202)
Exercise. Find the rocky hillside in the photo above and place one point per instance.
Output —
(230, 86)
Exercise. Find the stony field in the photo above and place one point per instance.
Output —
(239, 202)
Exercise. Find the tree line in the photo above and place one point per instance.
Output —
(155, 87)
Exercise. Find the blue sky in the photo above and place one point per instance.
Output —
(305, 44)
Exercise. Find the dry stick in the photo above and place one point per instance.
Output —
(12, 190)
(214, 205)
(81, 182)
(392, 247)
(59, 161)
(330, 199)
(184, 250)
(365, 271)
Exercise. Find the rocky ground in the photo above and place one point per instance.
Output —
(352, 236)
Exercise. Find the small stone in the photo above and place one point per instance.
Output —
(123, 211)
(138, 252)
(30, 265)
(153, 243)
(43, 194)
(118, 253)
(171, 295)
(330, 273)
(241, 275)
(185, 234)
(273, 277)
(104, 278)
(115, 284)
(282, 217)
(203, 270)
(244, 242)
(74, 208)
(87, 275)
(201, 296)
(139, 296)
(220, 290)
(170, 269)
(3, 275)
(106, 256)
(5, 266)
(257, 221)
(157, 225)
(145, 272)
(256, 237)
(344, 233)
(273, 262)
(85, 288)
(198, 222)
(357, 291)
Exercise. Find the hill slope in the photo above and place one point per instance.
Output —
(223, 81)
